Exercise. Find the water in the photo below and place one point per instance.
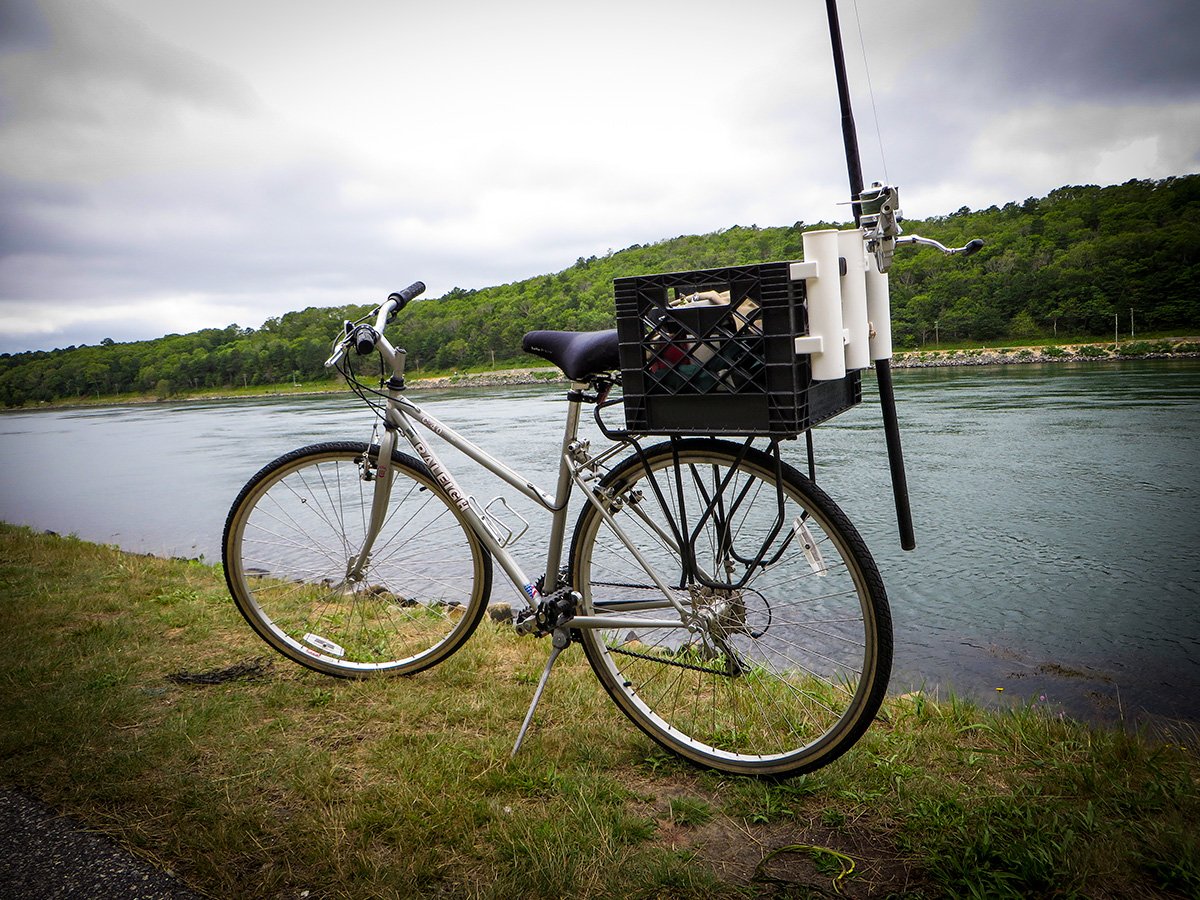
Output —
(1055, 510)
(1058, 539)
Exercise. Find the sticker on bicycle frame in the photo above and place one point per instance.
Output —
(325, 645)
(811, 551)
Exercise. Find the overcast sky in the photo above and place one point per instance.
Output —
(169, 165)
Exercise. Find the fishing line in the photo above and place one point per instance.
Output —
(871, 93)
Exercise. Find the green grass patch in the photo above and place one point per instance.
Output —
(290, 781)
(1146, 348)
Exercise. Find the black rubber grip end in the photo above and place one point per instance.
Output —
(402, 297)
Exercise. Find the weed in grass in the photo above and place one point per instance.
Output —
(833, 818)
(1000, 847)
(659, 760)
(541, 851)
(765, 802)
(1170, 853)
(178, 595)
(689, 811)
(319, 697)
(677, 874)
(107, 680)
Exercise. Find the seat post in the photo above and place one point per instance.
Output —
(562, 495)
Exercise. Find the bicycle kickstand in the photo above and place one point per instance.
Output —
(561, 640)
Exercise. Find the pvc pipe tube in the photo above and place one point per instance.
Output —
(879, 310)
(824, 293)
(854, 299)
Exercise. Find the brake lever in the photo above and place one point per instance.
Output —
(339, 353)
(339, 346)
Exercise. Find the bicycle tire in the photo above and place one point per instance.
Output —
(779, 676)
(287, 545)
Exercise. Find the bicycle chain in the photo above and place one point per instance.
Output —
(659, 659)
(669, 662)
(648, 657)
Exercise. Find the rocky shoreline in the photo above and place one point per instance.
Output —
(1177, 348)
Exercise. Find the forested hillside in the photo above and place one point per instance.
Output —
(1060, 265)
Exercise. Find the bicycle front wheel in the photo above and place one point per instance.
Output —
(787, 646)
(289, 542)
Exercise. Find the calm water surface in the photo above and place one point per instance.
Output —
(1055, 507)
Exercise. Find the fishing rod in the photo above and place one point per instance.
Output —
(883, 367)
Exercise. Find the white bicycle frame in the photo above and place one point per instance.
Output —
(577, 466)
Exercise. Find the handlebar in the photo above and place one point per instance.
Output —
(364, 337)
(966, 250)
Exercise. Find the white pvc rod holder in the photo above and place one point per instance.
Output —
(854, 299)
(824, 293)
(879, 310)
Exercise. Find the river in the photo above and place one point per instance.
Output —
(1056, 510)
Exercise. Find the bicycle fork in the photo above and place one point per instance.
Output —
(383, 474)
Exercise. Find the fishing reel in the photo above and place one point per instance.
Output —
(880, 219)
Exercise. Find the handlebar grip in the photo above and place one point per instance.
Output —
(364, 340)
(972, 247)
(402, 297)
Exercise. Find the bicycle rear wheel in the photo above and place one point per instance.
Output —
(784, 667)
(287, 548)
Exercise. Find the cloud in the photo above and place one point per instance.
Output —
(1015, 99)
(89, 94)
(1107, 141)
(1109, 51)
(22, 26)
(170, 177)
(154, 157)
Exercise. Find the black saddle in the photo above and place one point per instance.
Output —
(578, 353)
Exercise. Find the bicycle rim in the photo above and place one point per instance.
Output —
(288, 544)
(783, 669)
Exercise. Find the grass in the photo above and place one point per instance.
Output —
(293, 782)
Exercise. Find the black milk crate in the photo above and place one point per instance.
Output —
(730, 368)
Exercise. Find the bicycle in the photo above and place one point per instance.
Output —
(725, 603)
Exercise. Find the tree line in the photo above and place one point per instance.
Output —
(1063, 266)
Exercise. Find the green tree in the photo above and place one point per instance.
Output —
(1068, 261)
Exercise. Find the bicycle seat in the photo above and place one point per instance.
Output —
(578, 353)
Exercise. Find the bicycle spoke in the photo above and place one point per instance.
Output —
(289, 543)
(778, 658)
